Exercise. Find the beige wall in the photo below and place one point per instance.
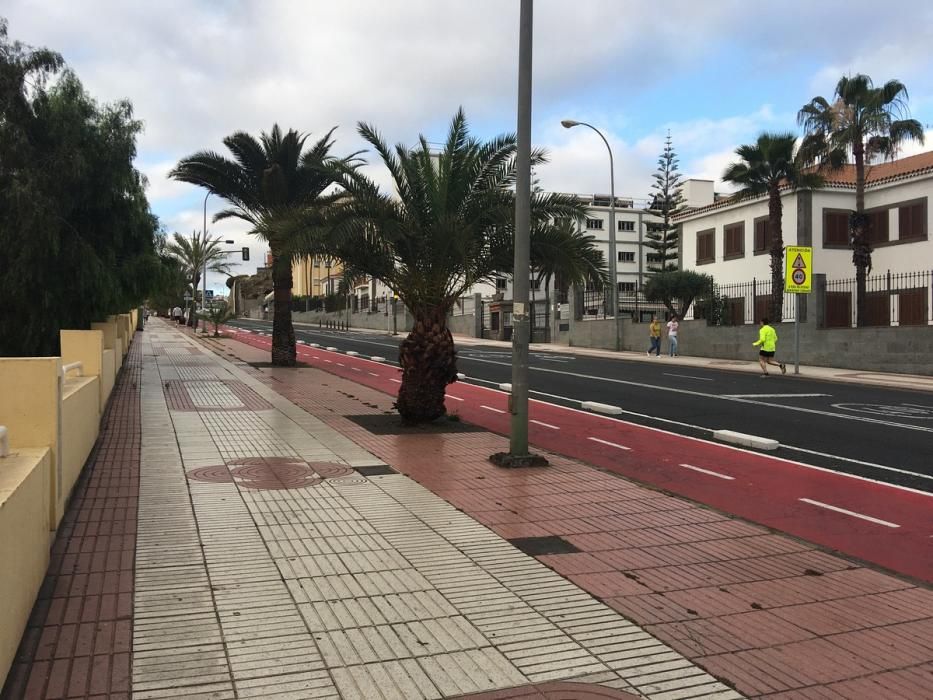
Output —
(30, 407)
(24, 542)
(111, 340)
(80, 425)
(87, 347)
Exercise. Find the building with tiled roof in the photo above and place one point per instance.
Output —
(728, 237)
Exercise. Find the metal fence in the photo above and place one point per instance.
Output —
(891, 299)
(741, 303)
(633, 305)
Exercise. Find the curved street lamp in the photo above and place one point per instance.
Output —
(613, 257)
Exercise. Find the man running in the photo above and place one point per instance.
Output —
(767, 341)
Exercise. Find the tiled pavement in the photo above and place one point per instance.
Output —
(289, 576)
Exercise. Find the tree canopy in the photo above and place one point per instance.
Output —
(76, 234)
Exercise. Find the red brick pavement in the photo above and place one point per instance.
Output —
(78, 640)
(774, 616)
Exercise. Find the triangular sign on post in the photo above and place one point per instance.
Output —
(799, 264)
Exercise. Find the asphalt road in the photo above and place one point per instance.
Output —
(880, 433)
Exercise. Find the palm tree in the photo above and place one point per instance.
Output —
(449, 227)
(768, 166)
(194, 253)
(266, 183)
(866, 121)
(560, 252)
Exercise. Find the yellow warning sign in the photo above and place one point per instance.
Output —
(798, 279)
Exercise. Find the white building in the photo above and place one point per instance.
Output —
(729, 239)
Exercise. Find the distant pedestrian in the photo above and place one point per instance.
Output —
(672, 327)
(654, 336)
(767, 341)
(176, 314)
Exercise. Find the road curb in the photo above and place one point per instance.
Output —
(754, 441)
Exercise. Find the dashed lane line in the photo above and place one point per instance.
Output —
(707, 471)
(543, 424)
(688, 376)
(490, 408)
(451, 396)
(610, 444)
(837, 509)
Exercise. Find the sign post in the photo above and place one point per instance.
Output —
(798, 279)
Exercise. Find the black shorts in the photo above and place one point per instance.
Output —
(766, 353)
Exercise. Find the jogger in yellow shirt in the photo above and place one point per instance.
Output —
(767, 341)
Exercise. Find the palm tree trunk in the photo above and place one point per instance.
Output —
(284, 353)
(548, 311)
(429, 364)
(777, 253)
(858, 231)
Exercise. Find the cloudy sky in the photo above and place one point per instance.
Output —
(715, 73)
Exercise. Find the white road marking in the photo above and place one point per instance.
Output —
(774, 396)
(707, 471)
(356, 369)
(546, 425)
(455, 398)
(328, 362)
(848, 512)
(397, 381)
(372, 374)
(611, 444)
(340, 364)
(490, 408)
(693, 392)
(687, 376)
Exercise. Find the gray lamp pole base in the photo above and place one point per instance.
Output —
(510, 461)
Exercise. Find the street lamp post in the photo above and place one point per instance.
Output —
(204, 272)
(613, 256)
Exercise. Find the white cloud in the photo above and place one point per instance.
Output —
(197, 70)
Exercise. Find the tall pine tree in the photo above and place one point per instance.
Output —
(666, 201)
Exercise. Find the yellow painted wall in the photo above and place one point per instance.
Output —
(80, 425)
(111, 340)
(24, 542)
(30, 406)
(107, 376)
(86, 347)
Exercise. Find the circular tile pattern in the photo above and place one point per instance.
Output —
(214, 475)
(272, 473)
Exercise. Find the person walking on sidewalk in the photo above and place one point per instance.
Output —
(767, 341)
(654, 336)
(672, 327)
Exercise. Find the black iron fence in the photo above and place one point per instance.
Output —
(740, 303)
(632, 304)
(891, 299)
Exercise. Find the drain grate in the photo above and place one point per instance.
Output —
(378, 470)
(537, 546)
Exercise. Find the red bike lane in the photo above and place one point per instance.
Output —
(883, 524)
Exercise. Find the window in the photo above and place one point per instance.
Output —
(534, 284)
(762, 235)
(654, 258)
(877, 226)
(501, 283)
(835, 227)
(733, 239)
(626, 256)
(627, 287)
(653, 227)
(706, 246)
(626, 225)
(594, 224)
(912, 221)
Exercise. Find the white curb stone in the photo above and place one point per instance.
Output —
(376, 358)
(755, 441)
(506, 387)
(600, 408)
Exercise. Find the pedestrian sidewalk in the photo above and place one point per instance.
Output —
(292, 541)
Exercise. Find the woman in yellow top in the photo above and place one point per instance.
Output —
(767, 341)
(654, 335)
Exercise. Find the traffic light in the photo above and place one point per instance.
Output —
(245, 254)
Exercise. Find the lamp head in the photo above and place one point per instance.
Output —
(229, 242)
(569, 123)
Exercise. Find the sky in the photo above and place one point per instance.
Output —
(713, 73)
